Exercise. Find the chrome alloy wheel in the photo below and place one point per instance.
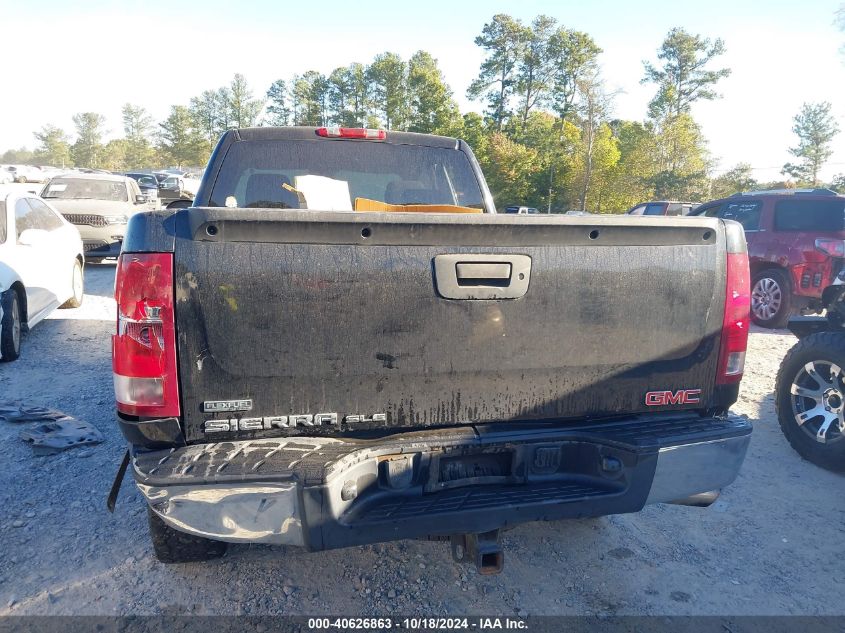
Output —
(818, 402)
(766, 298)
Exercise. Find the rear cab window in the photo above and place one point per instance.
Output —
(826, 216)
(346, 176)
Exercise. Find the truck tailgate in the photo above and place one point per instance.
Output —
(364, 316)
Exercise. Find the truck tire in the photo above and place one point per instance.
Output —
(771, 298)
(78, 286)
(173, 546)
(815, 369)
(11, 329)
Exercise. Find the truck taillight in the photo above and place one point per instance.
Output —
(834, 248)
(352, 132)
(736, 320)
(144, 348)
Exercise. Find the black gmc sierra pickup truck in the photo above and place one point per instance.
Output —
(342, 343)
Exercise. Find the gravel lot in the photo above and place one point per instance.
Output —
(771, 545)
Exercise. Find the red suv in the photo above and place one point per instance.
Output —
(796, 247)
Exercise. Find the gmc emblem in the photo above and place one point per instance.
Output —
(663, 398)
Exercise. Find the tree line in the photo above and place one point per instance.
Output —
(547, 136)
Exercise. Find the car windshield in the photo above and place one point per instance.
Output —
(85, 188)
(346, 176)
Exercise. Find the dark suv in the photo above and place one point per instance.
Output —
(796, 246)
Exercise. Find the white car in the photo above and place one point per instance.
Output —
(41, 263)
(27, 173)
(6, 176)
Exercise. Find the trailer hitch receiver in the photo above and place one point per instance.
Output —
(482, 549)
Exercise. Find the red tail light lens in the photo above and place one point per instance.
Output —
(834, 248)
(144, 348)
(734, 341)
(352, 132)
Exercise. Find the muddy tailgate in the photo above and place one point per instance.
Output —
(402, 320)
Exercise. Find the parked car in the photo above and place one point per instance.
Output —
(810, 385)
(384, 370)
(27, 173)
(662, 207)
(795, 245)
(148, 185)
(521, 210)
(176, 187)
(99, 205)
(6, 176)
(40, 266)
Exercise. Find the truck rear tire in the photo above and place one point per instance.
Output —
(771, 298)
(173, 546)
(814, 367)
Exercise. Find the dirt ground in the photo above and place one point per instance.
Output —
(771, 544)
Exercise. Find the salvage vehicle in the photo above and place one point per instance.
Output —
(299, 361)
(40, 266)
(100, 206)
(810, 385)
(796, 244)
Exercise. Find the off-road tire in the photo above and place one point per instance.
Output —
(824, 346)
(787, 309)
(11, 314)
(76, 300)
(173, 546)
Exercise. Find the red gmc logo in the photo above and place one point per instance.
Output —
(663, 398)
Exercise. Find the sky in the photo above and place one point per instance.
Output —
(62, 58)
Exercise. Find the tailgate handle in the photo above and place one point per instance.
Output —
(482, 276)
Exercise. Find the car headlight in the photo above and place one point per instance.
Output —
(117, 219)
